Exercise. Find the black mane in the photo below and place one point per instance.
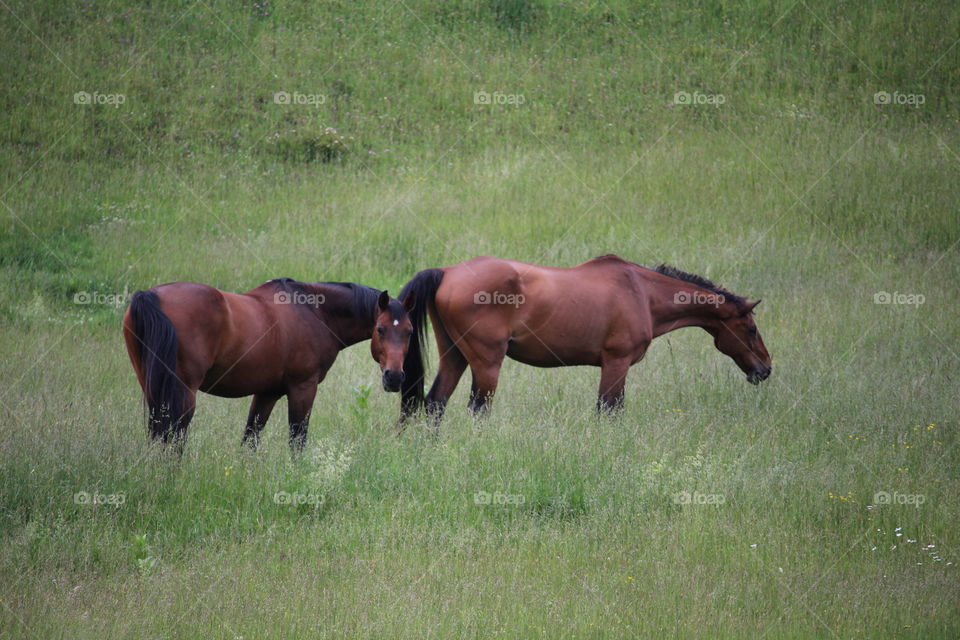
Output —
(363, 299)
(692, 278)
(700, 281)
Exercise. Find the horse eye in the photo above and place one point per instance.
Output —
(752, 331)
(380, 331)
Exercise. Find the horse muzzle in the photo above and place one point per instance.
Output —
(392, 380)
(759, 374)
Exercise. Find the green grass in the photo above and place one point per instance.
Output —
(798, 189)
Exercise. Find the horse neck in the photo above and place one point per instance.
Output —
(668, 315)
(336, 314)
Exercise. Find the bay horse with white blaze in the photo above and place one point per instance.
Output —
(604, 313)
(279, 339)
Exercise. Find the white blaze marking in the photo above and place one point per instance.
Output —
(396, 322)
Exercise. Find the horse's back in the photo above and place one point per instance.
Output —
(498, 282)
(550, 316)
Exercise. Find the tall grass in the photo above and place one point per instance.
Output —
(789, 183)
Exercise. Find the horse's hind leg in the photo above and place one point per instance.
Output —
(176, 433)
(485, 367)
(260, 409)
(169, 428)
(299, 404)
(485, 378)
(192, 372)
(452, 366)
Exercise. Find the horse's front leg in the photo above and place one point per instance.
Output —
(613, 379)
(299, 405)
(260, 409)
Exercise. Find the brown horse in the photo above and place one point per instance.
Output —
(603, 313)
(278, 339)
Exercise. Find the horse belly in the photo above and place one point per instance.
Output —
(244, 370)
(557, 329)
(536, 352)
(238, 382)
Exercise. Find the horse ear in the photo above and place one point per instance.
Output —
(384, 300)
(410, 302)
(750, 307)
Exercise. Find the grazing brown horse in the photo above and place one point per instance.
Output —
(278, 339)
(603, 313)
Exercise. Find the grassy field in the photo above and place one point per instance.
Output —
(804, 153)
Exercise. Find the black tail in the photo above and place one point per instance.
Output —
(157, 338)
(423, 287)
